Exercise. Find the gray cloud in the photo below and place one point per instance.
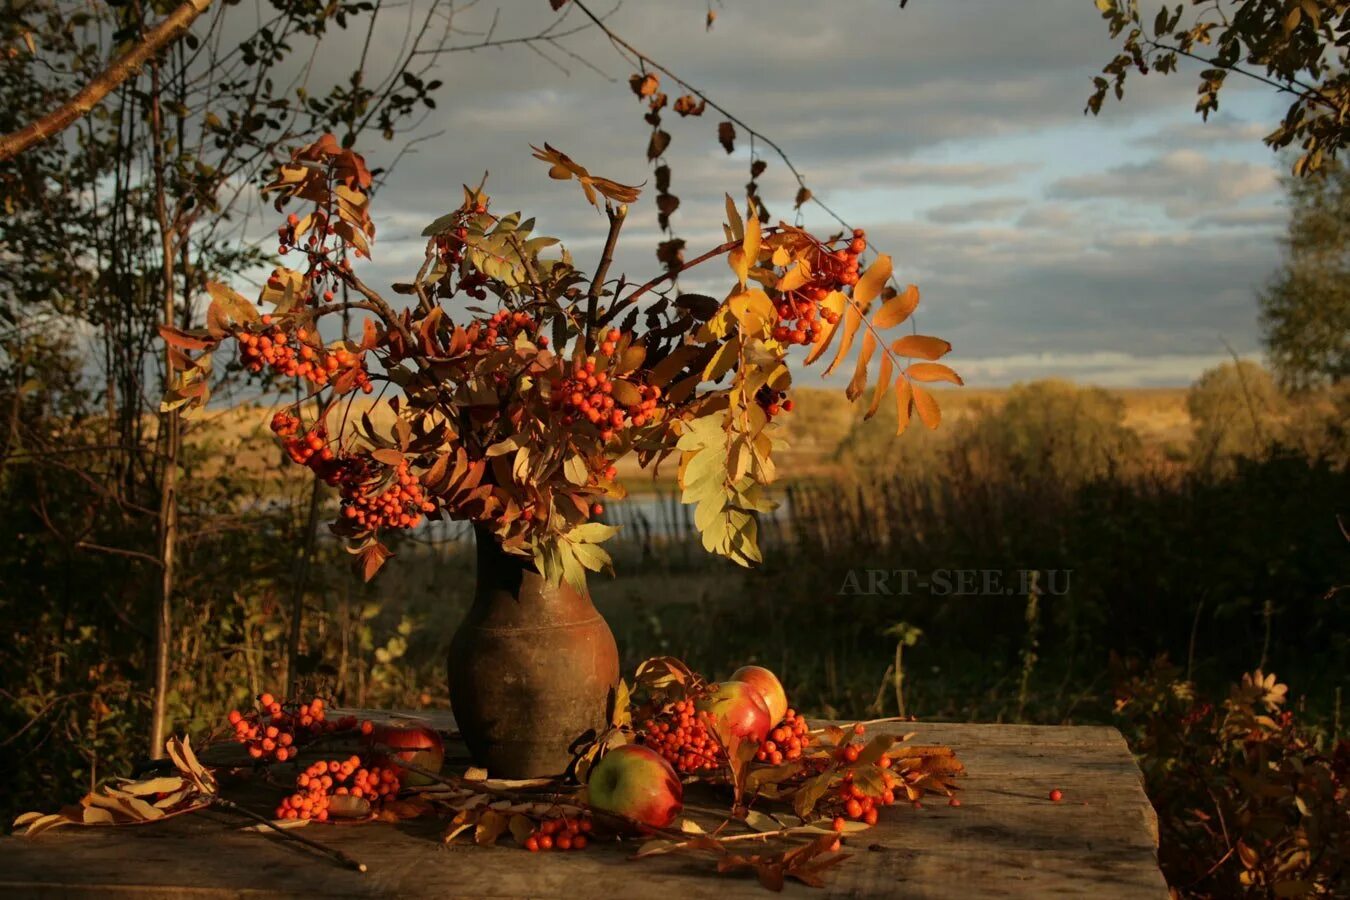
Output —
(1186, 183)
(1048, 215)
(1267, 218)
(1220, 129)
(921, 173)
(867, 98)
(975, 210)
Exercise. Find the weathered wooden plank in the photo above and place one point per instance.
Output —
(1006, 839)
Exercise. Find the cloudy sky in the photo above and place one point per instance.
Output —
(1121, 250)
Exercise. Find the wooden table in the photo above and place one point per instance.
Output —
(1006, 839)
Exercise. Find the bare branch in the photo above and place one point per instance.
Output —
(93, 93)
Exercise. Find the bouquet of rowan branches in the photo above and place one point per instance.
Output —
(512, 382)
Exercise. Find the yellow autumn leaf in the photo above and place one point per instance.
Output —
(753, 309)
(739, 265)
(722, 360)
(734, 221)
(793, 278)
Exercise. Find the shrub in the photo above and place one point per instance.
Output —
(1249, 803)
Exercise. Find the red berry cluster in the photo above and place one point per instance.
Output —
(374, 505)
(587, 394)
(326, 779)
(774, 402)
(560, 833)
(854, 802)
(292, 355)
(369, 502)
(786, 741)
(681, 735)
(799, 312)
(501, 329)
(450, 246)
(309, 449)
(274, 731)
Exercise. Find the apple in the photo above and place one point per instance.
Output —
(769, 687)
(636, 782)
(417, 745)
(741, 708)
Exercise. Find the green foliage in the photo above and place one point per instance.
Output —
(1250, 803)
(1299, 47)
(1305, 309)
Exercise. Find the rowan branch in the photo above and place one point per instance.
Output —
(625, 47)
(616, 218)
(669, 275)
(92, 94)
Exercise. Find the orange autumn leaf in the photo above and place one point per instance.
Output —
(883, 385)
(898, 308)
(904, 400)
(927, 407)
(562, 167)
(921, 346)
(928, 371)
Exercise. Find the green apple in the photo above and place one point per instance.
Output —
(636, 782)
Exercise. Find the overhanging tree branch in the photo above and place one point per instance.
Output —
(92, 94)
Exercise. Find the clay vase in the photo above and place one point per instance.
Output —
(531, 668)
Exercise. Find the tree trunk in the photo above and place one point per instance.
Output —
(169, 433)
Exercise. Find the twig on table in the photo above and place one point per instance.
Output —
(331, 852)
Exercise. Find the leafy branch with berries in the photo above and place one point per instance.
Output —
(514, 382)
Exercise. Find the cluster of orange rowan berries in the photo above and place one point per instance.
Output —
(560, 833)
(326, 779)
(398, 504)
(308, 449)
(800, 316)
(501, 328)
(273, 731)
(587, 394)
(292, 355)
(681, 735)
(786, 741)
